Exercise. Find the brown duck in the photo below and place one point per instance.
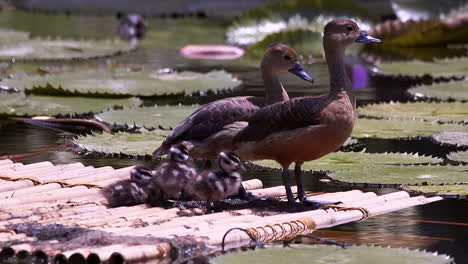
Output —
(213, 117)
(307, 128)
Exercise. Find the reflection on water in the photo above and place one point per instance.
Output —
(160, 49)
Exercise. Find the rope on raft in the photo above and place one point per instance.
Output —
(37, 182)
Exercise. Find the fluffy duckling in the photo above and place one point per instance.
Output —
(214, 186)
(134, 191)
(171, 178)
(132, 27)
(307, 128)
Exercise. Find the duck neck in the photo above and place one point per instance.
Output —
(275, 91)
(339, 80)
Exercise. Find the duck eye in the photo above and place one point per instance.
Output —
(287, 57)
(349, 28)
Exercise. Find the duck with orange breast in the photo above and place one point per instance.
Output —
(306, 128)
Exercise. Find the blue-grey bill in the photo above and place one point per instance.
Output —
(363, 37)
(299, 71)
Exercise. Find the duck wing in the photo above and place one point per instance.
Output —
(211, 118)
(292, 114)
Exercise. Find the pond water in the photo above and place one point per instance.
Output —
(440, 226)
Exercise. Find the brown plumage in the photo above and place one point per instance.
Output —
(213, 117)
(215, 185)
(307, 128)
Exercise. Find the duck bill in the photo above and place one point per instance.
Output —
(299, 71)
(363, 37)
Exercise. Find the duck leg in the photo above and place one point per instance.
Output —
(248, 196)
(301, 195)
(287, 185)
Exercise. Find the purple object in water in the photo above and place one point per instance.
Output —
(360, 77)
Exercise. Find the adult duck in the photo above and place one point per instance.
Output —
(213, 117)
(307, 128)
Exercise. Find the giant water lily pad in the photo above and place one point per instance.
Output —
(443, 91)
(437, 68)
(57, 49)
(332, 254)
(455, 138)
(446, 190)
(12, 36)
(122, 81)
(18, 104)
(149, 117)
(393, 128)
(444, 112)
(460, 156)
(136, 144)
(386, 169)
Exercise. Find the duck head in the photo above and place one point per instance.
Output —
(179, 153)
(281, 58)
(345, 32)
(230, 162)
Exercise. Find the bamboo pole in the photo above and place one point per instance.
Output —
(10, 166)
(5, 162)
(273, 191)
(252, 184)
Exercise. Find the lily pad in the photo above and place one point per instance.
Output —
(447, 190)
(149, 117)
(57, 49)
(445, 112)
(12, 36)
(132, 144)
(444, 91)
(332, 254)
(452, 138)
(357, 168)
(383, 128)
(122, 81)
(438, 68)
(18, 104)
(460, 156)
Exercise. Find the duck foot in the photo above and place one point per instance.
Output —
(248, 196)
(286, 243)
(318, 204)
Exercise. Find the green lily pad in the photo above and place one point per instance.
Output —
(122, 81)
(149, 117)
(136, 144)
(18, 104)
(446, 190)
(445, 112)
(12, 36)
(456, 90)
(357, 168)
(438, 68)
(332, 254)
(461, 156)
(452, 138)
(392, 128)
(57, 49)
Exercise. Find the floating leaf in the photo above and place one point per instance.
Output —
(452, 138)
(47, 49)
(332, 254)
(149, 117)
(18, 104)
(461, 156)
(387, 168)
(446, 190)
(438, 68)
(122, 81)
(444, 112)
(383, 128)
(457, 90)
(137, 144)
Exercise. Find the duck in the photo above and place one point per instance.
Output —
(306, 128)
(133, 191)
(170, 178)
(213, 117)
(132, 27)
(216, 184)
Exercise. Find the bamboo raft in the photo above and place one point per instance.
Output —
(44, 193)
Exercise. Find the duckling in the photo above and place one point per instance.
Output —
(307, 128)
(132, 27)
(135, 190)
(170, 178)
(216, 185)
(213, 117)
